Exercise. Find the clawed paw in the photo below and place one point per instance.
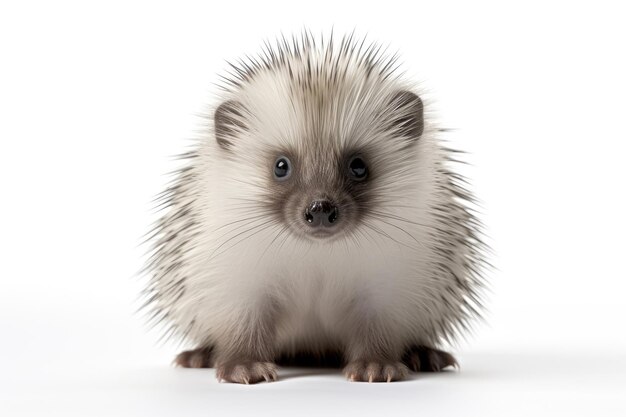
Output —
(248, 372)
(375, 371)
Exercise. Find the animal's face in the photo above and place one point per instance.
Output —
(320, 192)
(324, 156)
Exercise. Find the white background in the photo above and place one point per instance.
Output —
(96, 98)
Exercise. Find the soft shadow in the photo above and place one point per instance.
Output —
(290, 372)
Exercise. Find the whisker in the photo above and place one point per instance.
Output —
(214, 253)
(280, 232)
(384, 234)
(402, 219)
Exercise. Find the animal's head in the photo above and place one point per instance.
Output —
(324, 138)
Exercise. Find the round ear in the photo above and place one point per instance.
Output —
(407, 113)
(228, 121)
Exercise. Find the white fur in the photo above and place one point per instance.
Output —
(395, 277)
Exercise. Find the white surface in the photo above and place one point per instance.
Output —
(95, 98)
(489, 385)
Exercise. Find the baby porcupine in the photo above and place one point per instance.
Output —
(318, 216)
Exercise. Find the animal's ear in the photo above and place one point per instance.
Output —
(407, 112)
(228, 121)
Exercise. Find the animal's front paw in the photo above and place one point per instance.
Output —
(375, 371)
(246, 372)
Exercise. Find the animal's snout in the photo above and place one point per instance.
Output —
(321, 213)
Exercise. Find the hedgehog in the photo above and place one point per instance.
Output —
(318, 219)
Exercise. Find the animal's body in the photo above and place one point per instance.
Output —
(318, 214)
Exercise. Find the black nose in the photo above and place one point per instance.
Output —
(321, 213)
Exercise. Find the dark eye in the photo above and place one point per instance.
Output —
(282, 168)
(357, 168)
